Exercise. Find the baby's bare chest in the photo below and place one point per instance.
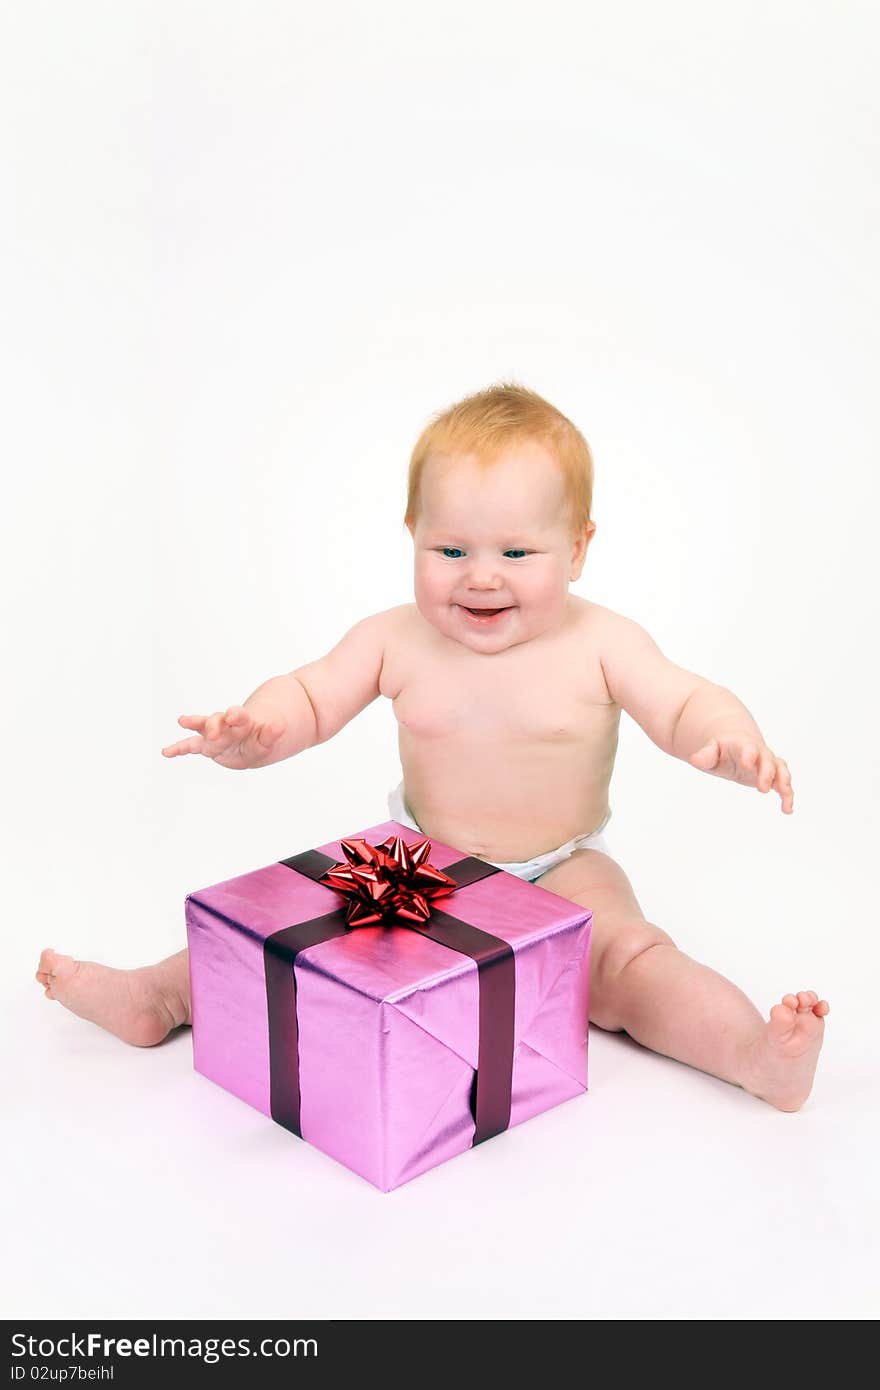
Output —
(536, 698)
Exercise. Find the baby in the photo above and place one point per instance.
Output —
(507, 691)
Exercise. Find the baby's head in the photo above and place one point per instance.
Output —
(500, 489)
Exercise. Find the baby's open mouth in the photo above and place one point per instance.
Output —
(485, 612)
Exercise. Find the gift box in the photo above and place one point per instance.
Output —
(414, 1003)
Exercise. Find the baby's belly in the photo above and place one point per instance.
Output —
(505, 801)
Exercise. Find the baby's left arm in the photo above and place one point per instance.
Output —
(685, 715)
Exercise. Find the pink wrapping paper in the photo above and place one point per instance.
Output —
(388, 1019)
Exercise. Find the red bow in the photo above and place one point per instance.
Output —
(390, 880)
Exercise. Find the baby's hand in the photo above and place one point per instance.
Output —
(745, 759)
(234, 739)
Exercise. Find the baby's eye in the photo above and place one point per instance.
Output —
(446, 552)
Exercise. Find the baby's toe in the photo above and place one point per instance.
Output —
(58, 970)
(44, 967)
(806, 999)
(782, 1017)
(790, 1000)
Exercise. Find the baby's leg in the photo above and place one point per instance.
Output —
(642, 984)
(140, 1006)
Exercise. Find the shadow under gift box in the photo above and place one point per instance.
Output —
(374, 1036)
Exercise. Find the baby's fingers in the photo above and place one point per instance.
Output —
(186, 745)
(745, 758)
(215, 726)
(782, 785)
(237, 718)
(270, 733)
(706, 757)
(192, 721)
(233, 727)
(766, 770)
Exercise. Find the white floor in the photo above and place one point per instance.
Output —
(139, 1189)
(136, 1188)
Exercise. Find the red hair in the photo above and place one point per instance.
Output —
(487, 422)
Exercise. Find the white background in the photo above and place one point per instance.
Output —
(250, 249)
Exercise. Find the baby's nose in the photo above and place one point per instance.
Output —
(482, 577)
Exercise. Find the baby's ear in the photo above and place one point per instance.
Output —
(579, 548)
(581, 541)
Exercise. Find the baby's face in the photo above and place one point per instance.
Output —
(495, 539)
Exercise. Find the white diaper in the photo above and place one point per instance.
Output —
(531, 868)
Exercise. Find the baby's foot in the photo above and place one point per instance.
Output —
(139, 1006)
(781, 1062)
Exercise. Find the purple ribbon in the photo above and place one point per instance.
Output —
(491, 1091)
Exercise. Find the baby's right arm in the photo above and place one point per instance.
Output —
(295, 711)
